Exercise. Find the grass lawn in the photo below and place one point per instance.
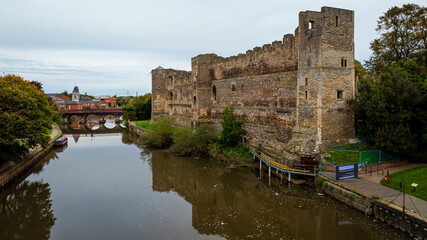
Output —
(348, 153)
(416, 175)
(145, 124)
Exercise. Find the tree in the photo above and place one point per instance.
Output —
(403, 38)
(390, 111)
(232, 130)
(25, 117)
(139, 108)
(66, 93)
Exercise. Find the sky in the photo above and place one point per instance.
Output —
(108, 47)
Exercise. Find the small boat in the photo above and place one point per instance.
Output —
(61, 141)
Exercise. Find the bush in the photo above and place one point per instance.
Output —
(188, 142)
(232, 130)
(204, 136)
(160, 135)
(183, 141)
(319, 182)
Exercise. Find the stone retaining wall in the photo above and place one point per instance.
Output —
(391, 214)
(19, 169)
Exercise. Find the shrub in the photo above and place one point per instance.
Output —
(204, 136)
(319, 182)
(232, 130)
(188, 142)
(161, 132)
(375, 197)
(183, 139)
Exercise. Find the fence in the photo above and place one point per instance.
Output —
(376, 156)
(362, 157)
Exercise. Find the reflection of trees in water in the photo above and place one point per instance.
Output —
(38, 168)
(27, 212)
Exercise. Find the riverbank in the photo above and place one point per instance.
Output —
(13, 171)
(367, 195)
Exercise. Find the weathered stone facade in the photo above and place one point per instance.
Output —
(290, 94)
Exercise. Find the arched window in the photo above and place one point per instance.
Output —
(214, 92)
(170, 95)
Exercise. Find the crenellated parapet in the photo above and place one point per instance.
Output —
(291, 94)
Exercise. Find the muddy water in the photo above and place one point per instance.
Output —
(107, 187)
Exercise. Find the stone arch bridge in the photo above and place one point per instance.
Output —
(84, 113)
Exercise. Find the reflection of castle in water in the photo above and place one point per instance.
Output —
(240, 206)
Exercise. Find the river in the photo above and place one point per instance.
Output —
(105, 186)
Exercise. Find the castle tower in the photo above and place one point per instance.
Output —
(75, 95)
(325, 78)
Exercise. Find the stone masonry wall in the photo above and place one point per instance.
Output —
(291, 94)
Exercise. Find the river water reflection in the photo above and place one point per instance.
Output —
(107, 187)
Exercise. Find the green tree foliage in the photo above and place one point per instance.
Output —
(403, 38)
(232, 130)
(25, 116)
(138, 108)
(160, 135)
(66, 94)
(129, 113)
(390, 111)
(391, 104)
(194, 142)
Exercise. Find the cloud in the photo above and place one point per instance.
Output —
(103, 44)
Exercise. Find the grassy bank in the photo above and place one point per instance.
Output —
(348, 153)
(145, 124)
(407, 177)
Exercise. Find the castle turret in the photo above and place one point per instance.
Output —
(75, 95)
(326, 74)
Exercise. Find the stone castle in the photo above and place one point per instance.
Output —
(290, 94)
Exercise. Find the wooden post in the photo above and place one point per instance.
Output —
(403, 199)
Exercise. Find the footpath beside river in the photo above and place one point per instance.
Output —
(368, 195)
(9, 174)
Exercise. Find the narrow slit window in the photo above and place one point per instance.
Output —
(337, 21)
(306, 81)
(233, 87)
(194, 100)
(306, 95)
(340, 95)
(308, 63)
(214, 92)
(310, 25)
(343, 62)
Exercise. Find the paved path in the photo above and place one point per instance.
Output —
(371, 186)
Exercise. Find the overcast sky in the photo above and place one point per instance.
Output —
(110, 46)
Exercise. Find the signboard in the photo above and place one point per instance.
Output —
(346, 171)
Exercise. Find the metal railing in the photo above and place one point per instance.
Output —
(283, 165)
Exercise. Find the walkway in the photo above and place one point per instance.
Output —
(370, 185)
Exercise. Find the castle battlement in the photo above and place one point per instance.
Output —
(290, 94)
